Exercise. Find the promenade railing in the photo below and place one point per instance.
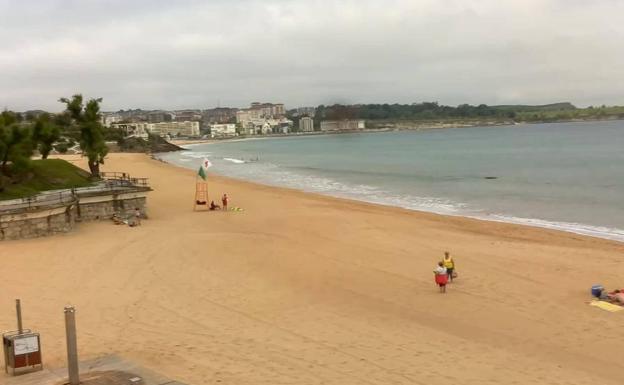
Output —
(111, 182)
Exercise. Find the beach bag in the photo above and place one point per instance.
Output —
(454, 275)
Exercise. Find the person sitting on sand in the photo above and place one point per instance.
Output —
(449, 264)
(441, 276)
(214, 206)
(117, 220)
(616, 297)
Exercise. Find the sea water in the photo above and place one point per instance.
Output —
(567, 176)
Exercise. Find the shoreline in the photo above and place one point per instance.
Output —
(594, 231)
(550, 226)
(301, 287)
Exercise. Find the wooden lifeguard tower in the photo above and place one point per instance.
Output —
(201, 196)
(201, 188)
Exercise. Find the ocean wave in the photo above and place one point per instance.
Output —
(272, 174)
(234, 160)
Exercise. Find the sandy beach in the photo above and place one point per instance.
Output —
(306, 289)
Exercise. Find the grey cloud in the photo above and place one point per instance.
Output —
(176, 54)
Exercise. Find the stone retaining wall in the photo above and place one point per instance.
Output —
(43, 221)
(38, 223)
(102, 207)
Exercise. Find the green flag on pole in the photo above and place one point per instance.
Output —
(202, 173)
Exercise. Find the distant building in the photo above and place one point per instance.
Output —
(138, 130)
(133, 115)
(109, 119)
(222, 130)
(306, 124)
(248, 130)
(159, 116)
(244, 116)
(188, 115)
(263, 118)
(260, 111)
(219, 115)
(269, 109)
(173, 129)
(342, 125)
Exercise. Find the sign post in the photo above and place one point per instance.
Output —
(22, 348)
(72, 346)
(18, 310)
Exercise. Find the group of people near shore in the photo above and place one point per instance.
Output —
(445, 272)
(224, 204)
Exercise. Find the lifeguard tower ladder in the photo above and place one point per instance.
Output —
(201, 196)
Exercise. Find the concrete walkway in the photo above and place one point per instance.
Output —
(109, 370)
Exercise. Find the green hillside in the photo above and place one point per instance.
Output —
(48, 174)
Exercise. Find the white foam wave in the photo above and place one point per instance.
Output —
(572, 227)
(195, 155)
(273, 175)
(234, 160)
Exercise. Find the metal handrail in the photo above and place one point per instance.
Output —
(124, 176)
(110, 183)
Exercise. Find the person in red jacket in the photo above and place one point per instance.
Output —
(441, 276)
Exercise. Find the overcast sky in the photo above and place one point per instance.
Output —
(197, 54)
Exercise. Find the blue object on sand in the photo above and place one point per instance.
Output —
(596, 290)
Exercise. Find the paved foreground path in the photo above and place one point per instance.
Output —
(109, 370)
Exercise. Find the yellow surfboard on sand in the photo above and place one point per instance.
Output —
(606, 306)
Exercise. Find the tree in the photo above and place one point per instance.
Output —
(86, 118)
(15, 143)
(44, 134)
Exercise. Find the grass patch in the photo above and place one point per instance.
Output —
(46, 174)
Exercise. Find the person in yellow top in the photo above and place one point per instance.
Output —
(449, 264)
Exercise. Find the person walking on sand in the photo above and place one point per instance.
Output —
(224, 202)
(450, 265)
(441, 276)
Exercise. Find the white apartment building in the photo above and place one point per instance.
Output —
(221, 130)
(266, 125)
(258, 114)
(173, 129)
(269, 109)
(306, 124)
(138, 130)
